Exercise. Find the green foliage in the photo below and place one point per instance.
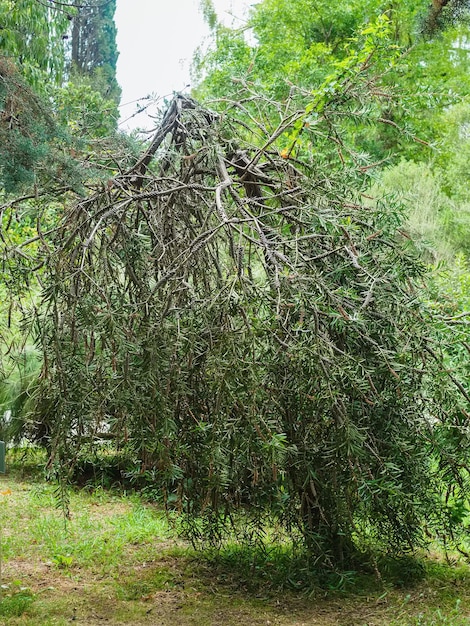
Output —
(435, 193)
(41, 118)
(209, 13)
(442, 14)
(121, 576)
(84, 112)
(35, 150)
(16, 387)
(93, 48)
(450, 292)
(441, 618)
(253, 334)
(25, 127)
(291, 43)
(285, 22)
(296, 43)
(421, 80)
(454, 149)
(432, 78)
(302, 43)
(227, 309)
(15, 604)
(32, 35)
(430, 214)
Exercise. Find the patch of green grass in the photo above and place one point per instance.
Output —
(49, 611)
(27, 462)
(135, 588)
(436, 617)
(403, 571)
(15, 604)
(141, 524)
(252, 568)
(117, 559)
(441, 599)
(101, 530)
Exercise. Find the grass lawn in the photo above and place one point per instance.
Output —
(117, 561)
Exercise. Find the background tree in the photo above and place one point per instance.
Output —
(32, 36)
(35, 78)
(57, 136)
(303, 44)
(93, 45)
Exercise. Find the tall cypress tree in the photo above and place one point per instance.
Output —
(94, 50)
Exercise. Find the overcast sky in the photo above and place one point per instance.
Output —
(156, 40)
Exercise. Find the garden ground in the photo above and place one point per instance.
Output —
(117, 561)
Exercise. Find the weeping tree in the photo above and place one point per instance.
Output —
(233, 312)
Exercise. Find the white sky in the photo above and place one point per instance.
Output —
(156, 40)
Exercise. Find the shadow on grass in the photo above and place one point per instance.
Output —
(274, 569)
